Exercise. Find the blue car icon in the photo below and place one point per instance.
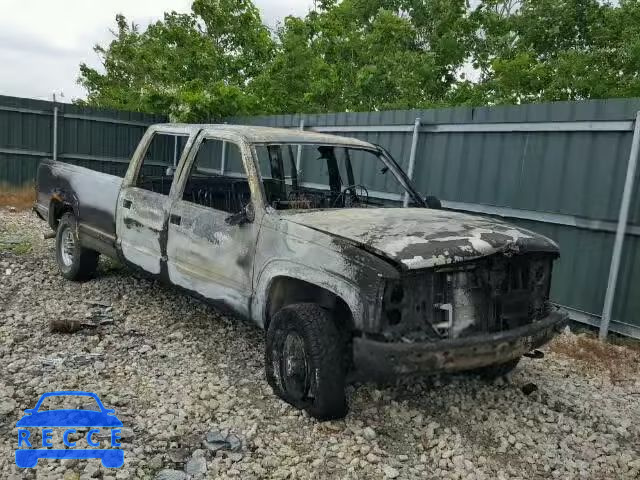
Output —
(69, 418)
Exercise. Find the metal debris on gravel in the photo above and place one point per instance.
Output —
(218, 441)
(176, 370)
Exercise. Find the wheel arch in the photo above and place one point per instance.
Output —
(286, 290)
(284, 283)
(58, 206)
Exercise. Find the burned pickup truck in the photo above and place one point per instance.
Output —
(304, 233)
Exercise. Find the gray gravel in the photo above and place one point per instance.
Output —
(176, 370)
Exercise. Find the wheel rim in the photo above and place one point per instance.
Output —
(294, 367)
(67, 247)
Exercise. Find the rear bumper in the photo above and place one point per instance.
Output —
(382, 360)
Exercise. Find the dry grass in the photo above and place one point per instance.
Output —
(21, 198)
(621, 362)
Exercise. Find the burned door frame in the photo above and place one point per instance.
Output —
(205, 254)
(141, 215)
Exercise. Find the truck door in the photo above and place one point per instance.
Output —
(213, 229)
(145, 197)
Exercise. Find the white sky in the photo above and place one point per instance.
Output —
(42, 42)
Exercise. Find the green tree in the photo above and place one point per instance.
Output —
(191, 66)
(369, 55)
(366, 55)
(547, 50)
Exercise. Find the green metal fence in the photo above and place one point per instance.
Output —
(558, 169)
(100, 139)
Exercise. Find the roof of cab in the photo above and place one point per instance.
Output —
(257, 134)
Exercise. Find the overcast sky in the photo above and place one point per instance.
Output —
(42, 42)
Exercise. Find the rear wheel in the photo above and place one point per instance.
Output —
(304, 360)
(74, 261)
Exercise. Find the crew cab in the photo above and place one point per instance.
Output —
(320, 240)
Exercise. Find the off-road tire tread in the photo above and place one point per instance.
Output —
(325, 348)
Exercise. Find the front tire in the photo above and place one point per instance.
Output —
(304, 360)
(74, 261)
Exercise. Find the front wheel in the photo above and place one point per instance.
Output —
(304, 360)
(74, 261)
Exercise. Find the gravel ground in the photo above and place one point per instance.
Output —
(176, 370)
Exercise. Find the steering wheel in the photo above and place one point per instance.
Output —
(358, 193)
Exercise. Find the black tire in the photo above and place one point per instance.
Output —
(74, 261)
(318, 386)
(493, 372)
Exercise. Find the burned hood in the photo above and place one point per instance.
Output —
(419, 238)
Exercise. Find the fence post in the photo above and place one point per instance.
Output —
(618, 244)
(55, 130)
(223, 159)
(299, 153)
(175, 151)
(412, 157)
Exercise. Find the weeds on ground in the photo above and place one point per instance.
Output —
(17, 247)
(21, 198)
(620, 358)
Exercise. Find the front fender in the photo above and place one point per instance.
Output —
(339, 286)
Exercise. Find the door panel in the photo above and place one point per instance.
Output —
(139, 227)
(146, 194)
(210, 257)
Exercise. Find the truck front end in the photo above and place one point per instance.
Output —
(456, 317)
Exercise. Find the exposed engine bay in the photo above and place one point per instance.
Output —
(494, 294)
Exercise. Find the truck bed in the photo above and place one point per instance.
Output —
(91, 195)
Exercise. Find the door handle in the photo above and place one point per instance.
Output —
(175, 219)
(126, 203)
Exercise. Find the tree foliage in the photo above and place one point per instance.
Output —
(367, 55)
(558, 50)
(190, 66)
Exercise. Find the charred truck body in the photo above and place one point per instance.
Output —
(343, 280)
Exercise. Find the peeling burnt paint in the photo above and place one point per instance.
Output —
(141, 229)
(210, 257)
(424, 238)
(131, 223)
(286, 249)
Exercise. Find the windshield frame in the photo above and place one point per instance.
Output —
(377, 150)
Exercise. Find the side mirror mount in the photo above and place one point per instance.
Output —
(433, 202)
(244, 216)
(30, 411)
